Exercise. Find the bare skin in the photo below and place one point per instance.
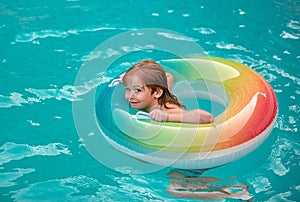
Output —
(170, 81)
(141, 97)
(196, 116)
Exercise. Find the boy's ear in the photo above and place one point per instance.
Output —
(158, 93)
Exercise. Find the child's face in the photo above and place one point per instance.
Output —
(138, 95)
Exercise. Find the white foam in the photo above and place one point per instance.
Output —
(176, 37)
(261, 184)
(203, 30)
(287, 35)
(223, 45)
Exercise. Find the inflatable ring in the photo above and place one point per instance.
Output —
(250, 110)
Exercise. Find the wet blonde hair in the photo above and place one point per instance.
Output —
(153, 76)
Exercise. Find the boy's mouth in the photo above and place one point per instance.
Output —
(133, 103)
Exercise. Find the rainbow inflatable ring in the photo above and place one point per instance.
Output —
(250, 110)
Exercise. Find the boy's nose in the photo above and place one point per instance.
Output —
(130, 95)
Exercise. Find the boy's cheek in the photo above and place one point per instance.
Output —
(126, 95)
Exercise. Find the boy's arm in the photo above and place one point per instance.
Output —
(196, 116)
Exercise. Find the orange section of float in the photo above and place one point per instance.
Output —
(251, 94)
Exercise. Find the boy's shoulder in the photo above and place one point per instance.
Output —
(172, 108)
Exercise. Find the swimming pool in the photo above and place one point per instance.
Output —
(43, 46)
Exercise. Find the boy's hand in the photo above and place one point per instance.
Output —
(158, 115)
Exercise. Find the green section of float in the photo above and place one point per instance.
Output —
(200, 68)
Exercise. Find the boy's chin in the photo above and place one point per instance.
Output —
(135, 106)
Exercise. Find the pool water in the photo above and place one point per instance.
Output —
(43, 47)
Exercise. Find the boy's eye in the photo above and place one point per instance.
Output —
(134, 90)
(137, 90)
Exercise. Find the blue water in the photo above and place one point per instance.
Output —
(43, 46)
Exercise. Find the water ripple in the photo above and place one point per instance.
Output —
(283, 73)
(286, 123)
(83, 188)
(285, 154)
(135, 187)
(261, 184)
(15, 99)
(11, 151)
(203, 30)
(31, 36)
(294, 24)
(176, 37)
(223, 45)
(68, 92)
(282, 197)
(28, 37)
(260, 66)
(78, 188)
(7, 178)
(287, 35)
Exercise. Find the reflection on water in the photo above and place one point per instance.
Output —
(193, 185)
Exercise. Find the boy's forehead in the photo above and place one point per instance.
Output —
(134, 80)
